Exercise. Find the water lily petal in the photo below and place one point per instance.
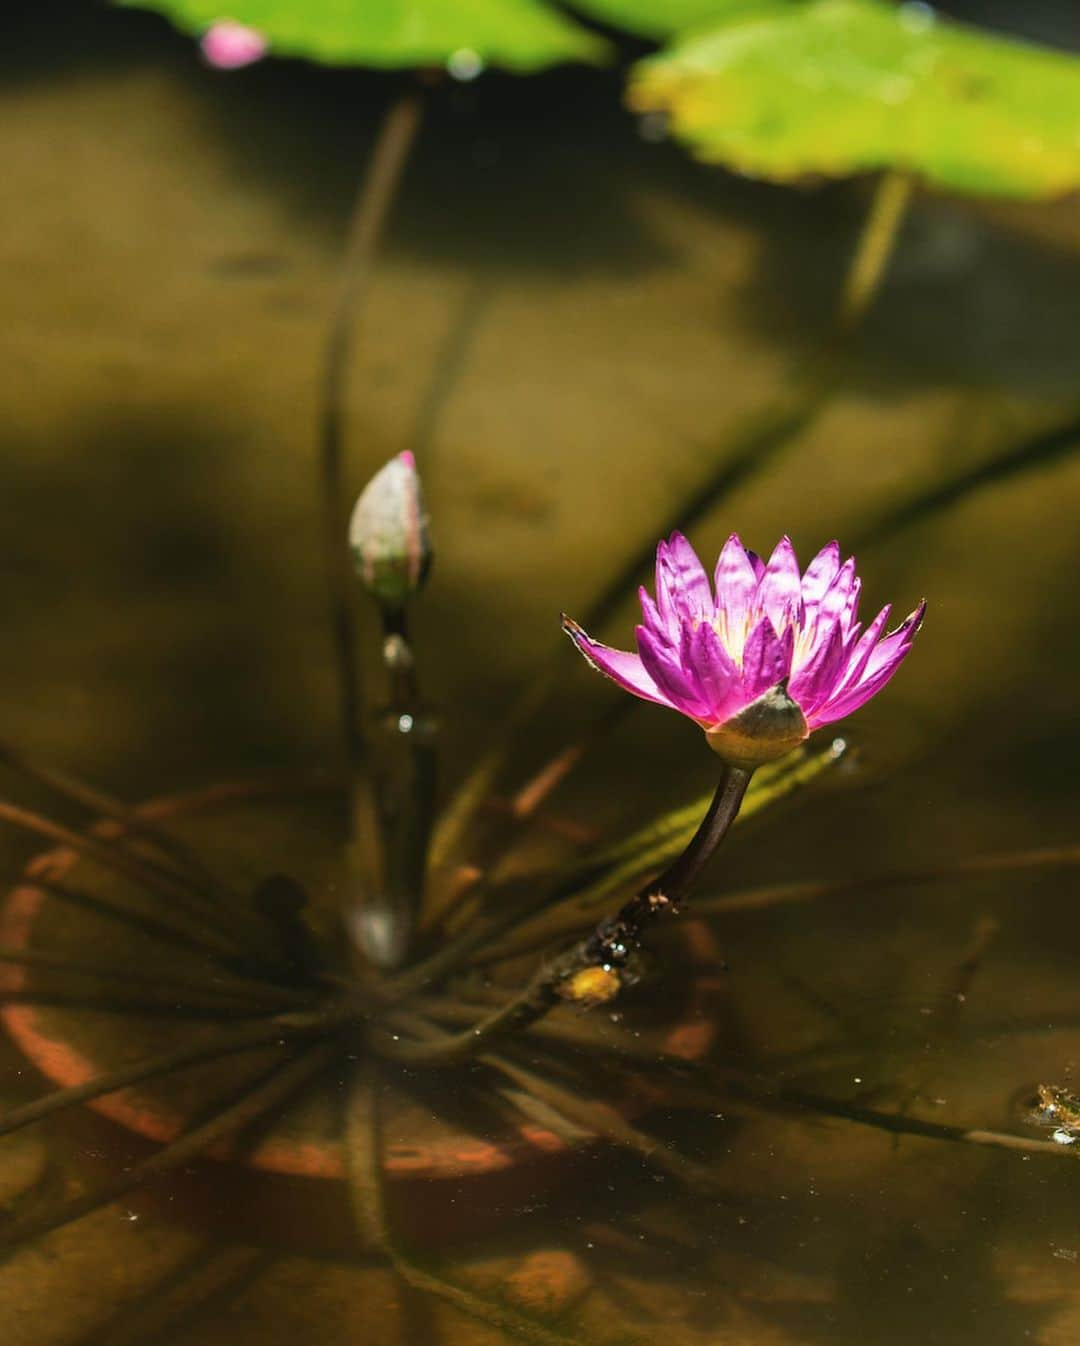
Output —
(819, 574)
(816, 679)
(849, 617)
(895, 645)
(769, 646)
(766, 659)
(860, 654)
(619, 665)
(676, 685)
(713, 670)
(779, 595)
(854, 697)
(841, 597)
(650, 615)
(880, 667)
(736, 582)
(684, 580)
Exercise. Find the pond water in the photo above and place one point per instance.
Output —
(571, 327)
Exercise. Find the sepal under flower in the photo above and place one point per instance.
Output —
(760, 656)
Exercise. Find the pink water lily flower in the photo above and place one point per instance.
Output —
(760, 657)
(227, 45)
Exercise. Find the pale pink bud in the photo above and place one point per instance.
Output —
(388, 533)
(228, 46)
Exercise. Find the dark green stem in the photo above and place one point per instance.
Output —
(249, 1037)
(374, 200)
(403, 779)
(608, 949)
(263, 1095)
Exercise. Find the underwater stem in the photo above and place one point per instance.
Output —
(401, 789)
(373, 202)
(605, 952)
(874, 249)
(71, 788)
(262, 1096)
(246, 1038)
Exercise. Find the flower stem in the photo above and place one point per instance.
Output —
(608, 948)
(402, 793)
(875, 246)
(373, 203)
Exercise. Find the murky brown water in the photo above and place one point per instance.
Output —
(568, 325)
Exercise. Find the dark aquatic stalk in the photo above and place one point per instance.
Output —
(720, 1087)
(130, 866)
(144, 1006)
(231, 988)
(97, 801)
(373, 203)
(281, 1029)
(205, 1282)
(779, 1098)
(529, 923)
(605, 1122)
(1040, 449)
(264, 1095)
(156, 924)
(574, 1111)
(404, 773)
(366, 1177)
(591, 972)
(814, 890)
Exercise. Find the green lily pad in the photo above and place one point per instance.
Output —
(836, 87)
(663, 18)
(519, 35)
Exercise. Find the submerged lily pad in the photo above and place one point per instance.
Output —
(519, 35)
(837, 87)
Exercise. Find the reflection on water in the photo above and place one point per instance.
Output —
(568, 321)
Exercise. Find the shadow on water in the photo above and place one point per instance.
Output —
(142, 495)
(492, 191)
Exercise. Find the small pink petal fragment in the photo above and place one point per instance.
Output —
(230, 46)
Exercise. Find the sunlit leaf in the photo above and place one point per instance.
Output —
(841, 86)
(662, 18)
(518, 35)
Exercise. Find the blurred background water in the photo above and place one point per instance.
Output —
(567, 324)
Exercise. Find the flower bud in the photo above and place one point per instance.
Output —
(388, 533)
(230, 46)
